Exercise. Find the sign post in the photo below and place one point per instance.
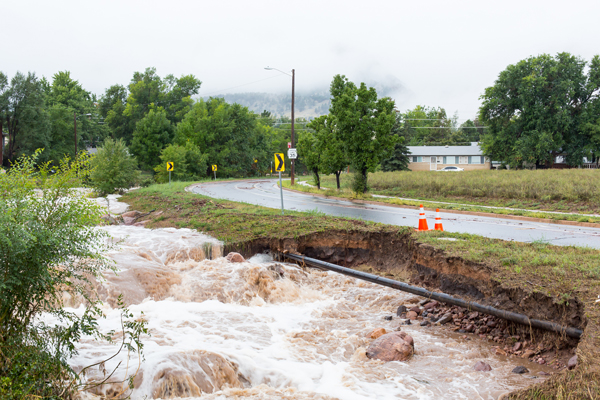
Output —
(170, 166)
(280, 167)
(214, 168)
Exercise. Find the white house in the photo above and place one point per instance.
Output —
(432, 158)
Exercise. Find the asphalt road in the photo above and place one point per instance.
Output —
(265, 192)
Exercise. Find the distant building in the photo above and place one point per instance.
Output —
(432, 158)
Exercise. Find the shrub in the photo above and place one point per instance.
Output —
(189, 163)
(48, 246)
(113, 168)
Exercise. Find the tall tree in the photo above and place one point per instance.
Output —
(538, 109)
(111, 107)
(66, 102)
(399, 160)
(124, 107)
(330, 146)
(310, 150)
(153, 133)
(227, 133)
(25, 116)
(364, 125)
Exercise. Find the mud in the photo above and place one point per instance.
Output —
(398, 256)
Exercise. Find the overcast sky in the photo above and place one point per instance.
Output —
(445, 53)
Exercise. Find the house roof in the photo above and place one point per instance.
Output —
(473, 150)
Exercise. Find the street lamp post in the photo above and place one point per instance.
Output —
(293, 75)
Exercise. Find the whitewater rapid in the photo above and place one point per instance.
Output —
(266, 330)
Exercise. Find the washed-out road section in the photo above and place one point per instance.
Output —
(265, 192)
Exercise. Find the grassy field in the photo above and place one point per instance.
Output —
(562, 272)
(572, 191)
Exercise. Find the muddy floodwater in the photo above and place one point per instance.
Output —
(265, 330)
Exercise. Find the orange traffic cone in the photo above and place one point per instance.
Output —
(438, 220)
(422, 221)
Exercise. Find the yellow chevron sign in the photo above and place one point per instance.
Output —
(214, 167)
(279, 162)
(170, 166)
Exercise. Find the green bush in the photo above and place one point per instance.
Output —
(189, 163)
(49, 246)
(113, 168)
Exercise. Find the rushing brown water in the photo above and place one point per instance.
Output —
(266, 330)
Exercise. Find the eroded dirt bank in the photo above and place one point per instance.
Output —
(401, 257)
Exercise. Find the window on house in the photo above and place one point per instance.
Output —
(463, 159)
(475, 160)
(440, 159)
(426, 159)
(450, 160)
(414, 159)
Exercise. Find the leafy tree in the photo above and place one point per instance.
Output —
(227, 133)
(311, 150)
(113, 168)
(364, 125)
(66, 100)
(330, 147)
(49, 245)
(153, 133)
(25, 116)
(399, 160)
(539, 107)
(189, 163)
(111, 106)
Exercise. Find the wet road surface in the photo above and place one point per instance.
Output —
(266, 193)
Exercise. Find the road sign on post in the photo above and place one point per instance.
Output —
(280, 167)
(279, 162)
(170, 167)
(289, 145)
(292, 154)
(214, 169)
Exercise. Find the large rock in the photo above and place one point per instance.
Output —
(394, 346)
(572, 363)
(481, 366)
(235, 258)
(131, 214)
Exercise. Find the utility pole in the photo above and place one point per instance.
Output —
(293, 143)
(75, 125)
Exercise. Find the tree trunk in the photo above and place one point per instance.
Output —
(337, 179)
(317, 178)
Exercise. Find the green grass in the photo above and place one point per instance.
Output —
(233, 222)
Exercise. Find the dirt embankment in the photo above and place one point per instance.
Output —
(400, 257)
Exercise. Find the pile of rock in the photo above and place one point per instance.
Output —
(430, 312)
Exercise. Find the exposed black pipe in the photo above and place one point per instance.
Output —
(508, 315)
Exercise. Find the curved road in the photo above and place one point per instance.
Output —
(265, 192)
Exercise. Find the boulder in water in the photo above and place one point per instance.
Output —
(394, 346)
(235, 258)
(481, 366)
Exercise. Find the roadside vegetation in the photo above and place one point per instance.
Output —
(50, 251)
(562, 272)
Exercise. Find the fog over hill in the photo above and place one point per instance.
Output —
(310, 104)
